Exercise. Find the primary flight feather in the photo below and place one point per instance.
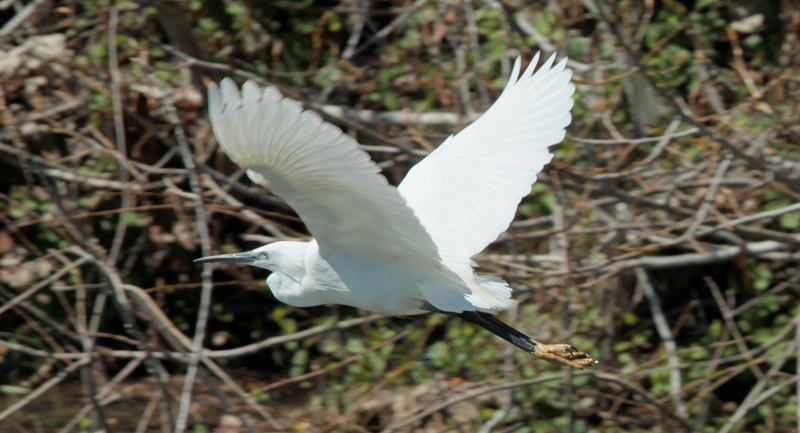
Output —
(404, 250)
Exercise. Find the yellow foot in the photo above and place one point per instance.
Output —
(565, 354)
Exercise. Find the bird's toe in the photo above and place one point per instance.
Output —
(565, 354)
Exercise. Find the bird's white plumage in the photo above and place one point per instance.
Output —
(363, 228)
(466, 192)
(396, 250)
(319, 171)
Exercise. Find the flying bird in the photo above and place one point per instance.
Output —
(397, 250)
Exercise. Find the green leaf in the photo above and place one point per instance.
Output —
(355, 346)
(335, 22)
(14, 390)
(17, 212)
(790, 221)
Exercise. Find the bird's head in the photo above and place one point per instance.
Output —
(284, 257)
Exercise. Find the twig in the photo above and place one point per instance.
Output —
(129, 323)
(349, 49)
(20, 17)
(708, 200)
(105, 391)
(119, 135)
(182, 343)
(389, 28)
(730, 322)
(355, 36)
(755, 396)
(750, 218)
(11, 303)
(43, 388)
(267, 225)
(474, 46)
(680, 106)
(507, 396)
(661, 325)
(636, 141)
(328, 369)
(538, 381)
(147, 414)
(205, 247)
(399, 118)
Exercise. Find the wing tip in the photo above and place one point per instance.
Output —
(534, 69)
(214, 100)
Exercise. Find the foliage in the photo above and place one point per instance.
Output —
(700, 340)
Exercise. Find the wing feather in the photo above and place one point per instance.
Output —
(449, 207)
(466, 191)
(320, 172)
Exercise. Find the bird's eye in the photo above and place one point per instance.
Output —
(265, 255)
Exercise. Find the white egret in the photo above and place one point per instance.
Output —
(404, 250)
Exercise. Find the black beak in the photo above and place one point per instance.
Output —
(246, 257)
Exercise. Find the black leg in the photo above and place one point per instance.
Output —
(562, 353)
(499, 328)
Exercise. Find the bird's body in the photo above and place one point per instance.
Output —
(302, 277)
(307, 279)
(404, 250)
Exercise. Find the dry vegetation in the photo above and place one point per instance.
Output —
(663, 239)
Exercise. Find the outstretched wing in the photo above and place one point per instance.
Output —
(320, 172)
(466, 191)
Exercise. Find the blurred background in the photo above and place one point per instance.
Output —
(662, 239)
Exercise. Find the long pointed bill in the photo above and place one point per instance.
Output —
(246, 257)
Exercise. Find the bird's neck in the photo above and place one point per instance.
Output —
(289, 258)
